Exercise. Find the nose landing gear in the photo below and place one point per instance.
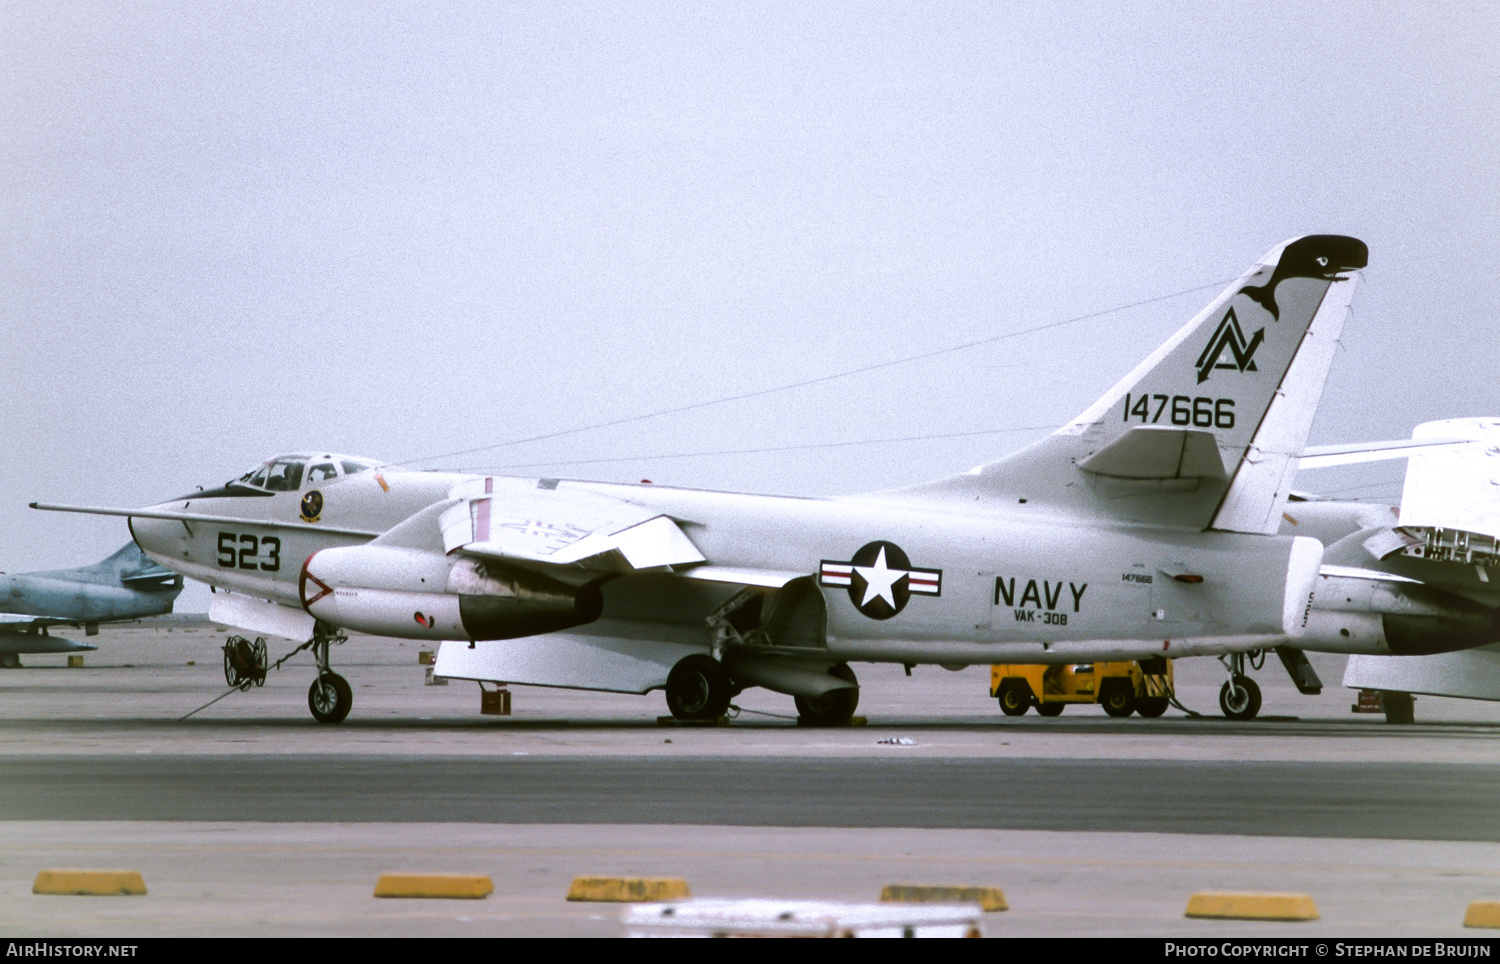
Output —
(329, 698)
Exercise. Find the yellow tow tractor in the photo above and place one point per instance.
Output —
(1143, 686)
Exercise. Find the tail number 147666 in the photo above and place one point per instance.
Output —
(1180, 410)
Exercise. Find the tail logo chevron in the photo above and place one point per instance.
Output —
(1229, 349)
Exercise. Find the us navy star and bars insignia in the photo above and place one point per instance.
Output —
(880, 579)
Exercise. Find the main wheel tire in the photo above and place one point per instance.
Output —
(698, 688)
(1014, 697)
(1117, 699)
(1152, 706)
(330, 698)
(1399, 707)
(1050, 709)
(1240, 698)
(833, 708)
(10, 660)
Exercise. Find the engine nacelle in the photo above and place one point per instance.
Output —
(413, 594)
(1385, 618)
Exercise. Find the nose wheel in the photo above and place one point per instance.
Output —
(330, 698)
(1239, 698)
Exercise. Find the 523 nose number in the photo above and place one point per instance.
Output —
(261, 553)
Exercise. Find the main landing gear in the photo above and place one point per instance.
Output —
(833, 708)
(699, 689)
(1239, 698)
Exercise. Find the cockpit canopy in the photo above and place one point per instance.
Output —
(288, 473)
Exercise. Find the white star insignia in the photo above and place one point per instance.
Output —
(880, 580)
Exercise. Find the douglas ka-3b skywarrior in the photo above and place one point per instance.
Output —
(1145, 527)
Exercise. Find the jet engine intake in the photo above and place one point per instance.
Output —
(419, 594)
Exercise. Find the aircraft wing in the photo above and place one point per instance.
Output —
(17, 636)
(518, 520)
(1326, 456)
(10, 622)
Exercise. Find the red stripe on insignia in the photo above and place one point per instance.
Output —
(924, 582)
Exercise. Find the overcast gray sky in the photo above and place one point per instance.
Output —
(401, 230)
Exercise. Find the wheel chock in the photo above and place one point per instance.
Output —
(988, 898)
(1483, 913)
(674, 721)
(90, 883)
(1234, 906)
(449, 886)
(635, 890)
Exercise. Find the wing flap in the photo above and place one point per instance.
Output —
(508, 519)
(572, 660)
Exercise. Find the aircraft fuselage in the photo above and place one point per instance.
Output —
(900, 583)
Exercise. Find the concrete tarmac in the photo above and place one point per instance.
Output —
(248, 818)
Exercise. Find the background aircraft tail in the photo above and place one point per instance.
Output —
(1206, 432)
(130, 567)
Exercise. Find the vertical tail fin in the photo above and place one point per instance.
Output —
(1205, 433)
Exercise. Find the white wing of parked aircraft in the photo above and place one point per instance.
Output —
(1449, 522)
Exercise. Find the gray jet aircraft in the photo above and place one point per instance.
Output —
(1145, 527)
(127, 585)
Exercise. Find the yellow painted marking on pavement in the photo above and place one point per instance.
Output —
(90, 883)
(1252, 906)
(631, 889)
(451, 886)
(1483, 913)
(988, 898)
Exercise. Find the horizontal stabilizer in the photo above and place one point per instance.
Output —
(1152, 452)
(151, 577)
